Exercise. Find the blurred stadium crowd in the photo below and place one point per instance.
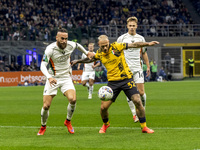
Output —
(39, 19)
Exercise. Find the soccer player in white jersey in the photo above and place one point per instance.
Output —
(57, 55)
(88, 75)
(133, 59)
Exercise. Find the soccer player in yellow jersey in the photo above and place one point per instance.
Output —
(119, 77)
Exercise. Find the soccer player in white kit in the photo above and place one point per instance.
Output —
(57, 55)
(133, 59)
(88, 74)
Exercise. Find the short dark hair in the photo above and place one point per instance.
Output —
(62, 30)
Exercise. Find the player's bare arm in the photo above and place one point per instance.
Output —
(142, 44)
(146, 60)
(85, 60)
(82, 49)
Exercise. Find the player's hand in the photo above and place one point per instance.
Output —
(52, 81)
(152, 43)
(74, 62)
(90, 55)
(148, 72)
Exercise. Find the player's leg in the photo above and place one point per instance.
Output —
(140, 87)
(104, 115)
(91, 87)
(116, 87)
(139, 79)
(85, 83)
(141, 113)
(133, 109)
(132, 93)
(47, 99)
(91, 83)
(71, 96)
(48, 95)
(68, 90)
(85, 79)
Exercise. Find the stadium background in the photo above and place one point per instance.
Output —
(28, 26)
(172, 107)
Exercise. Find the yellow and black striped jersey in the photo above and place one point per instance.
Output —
(114, 61)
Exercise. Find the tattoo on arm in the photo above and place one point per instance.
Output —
(86, 60)
(138, 44)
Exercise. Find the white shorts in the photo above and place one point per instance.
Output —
(138, 76)
(88, 75)
(63, 84)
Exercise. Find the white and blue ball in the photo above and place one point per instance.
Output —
(105, 93)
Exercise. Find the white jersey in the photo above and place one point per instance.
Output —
(59, 59)
(87, 66)
(132, 55)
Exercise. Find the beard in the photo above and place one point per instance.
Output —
(62, 45)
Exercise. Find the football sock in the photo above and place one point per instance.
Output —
(105, 121)
(91, 89)
(144, 98)
(131, 106)
(143, 122)
(87, 85)
(44, 116)
(70, 110)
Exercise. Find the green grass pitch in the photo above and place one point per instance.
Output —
(173, 111)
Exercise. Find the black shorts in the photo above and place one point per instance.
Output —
(127, 85)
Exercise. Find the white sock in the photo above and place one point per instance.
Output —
(70, 110)
(131, 106)
(87, 85)
(144, 98)
(91, 89)
(44, 116)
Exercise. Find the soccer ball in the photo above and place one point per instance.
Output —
(105, 93)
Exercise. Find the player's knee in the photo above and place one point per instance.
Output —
(141, 91)
(136, 100)
(46, 107)
(103, 108)
(72, 100)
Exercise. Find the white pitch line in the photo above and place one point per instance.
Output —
(122, 128)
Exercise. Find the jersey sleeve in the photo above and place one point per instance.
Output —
(120, 46)
(144, 49)
(81, 48)
(47, 55)
(45, 61)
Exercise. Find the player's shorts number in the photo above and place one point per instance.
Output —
(141, 75)
(131, 84)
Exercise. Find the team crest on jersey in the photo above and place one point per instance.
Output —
(113, 52)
